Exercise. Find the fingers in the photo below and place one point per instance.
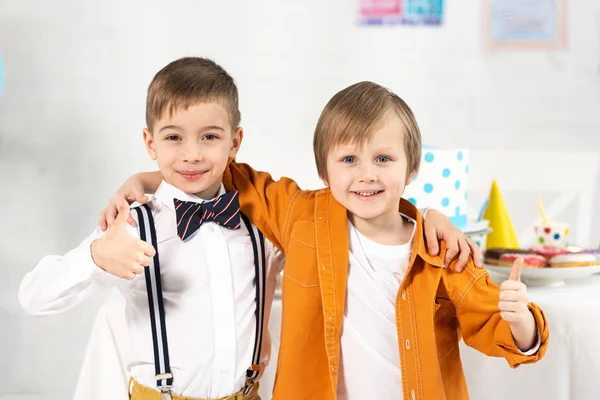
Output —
(463, 257)
(140, 197)
(129, 276)
(511, 306)
(123, 214)
(131, 221)
(510, 317)
(138, 267)
(102, 221)
(515, 272)
(145, 261)
(136, 195)
(148, 249)
(142, 257)
(432, 240)
(512, 285)
(513, 295)
(512, 301)
(475, 252)
(135, 268)
(110, 213)
(107, 216)
(451, 251)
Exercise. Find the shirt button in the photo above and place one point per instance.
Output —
(412, 394)
(407, 344)
(404, 295)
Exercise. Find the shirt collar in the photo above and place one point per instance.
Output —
(419, 248)
(167, 192)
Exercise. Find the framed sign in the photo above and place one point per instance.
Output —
(524, 24)
(405, 12)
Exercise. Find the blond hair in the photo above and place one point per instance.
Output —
(189, 81)
(353, 114)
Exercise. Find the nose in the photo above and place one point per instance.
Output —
(366, 173)
(192, 153)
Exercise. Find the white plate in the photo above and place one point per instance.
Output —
(545, 276)
(473, 227)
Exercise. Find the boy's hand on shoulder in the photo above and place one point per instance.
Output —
(132, 190)
(513, 306)
(119, 253)
(439, 227)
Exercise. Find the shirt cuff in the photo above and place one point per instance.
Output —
(535, 348)
(424, 212)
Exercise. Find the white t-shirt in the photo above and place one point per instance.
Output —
(370, 358)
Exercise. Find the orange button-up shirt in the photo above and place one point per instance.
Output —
(435, 307)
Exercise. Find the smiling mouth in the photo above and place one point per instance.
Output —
(368, 193)
(192, 175)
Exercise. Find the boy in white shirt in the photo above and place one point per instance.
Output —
(214, 265)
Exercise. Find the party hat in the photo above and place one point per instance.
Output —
(503, 233)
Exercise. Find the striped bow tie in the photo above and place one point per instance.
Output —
(224, 210)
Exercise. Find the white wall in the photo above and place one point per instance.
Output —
(73, 108)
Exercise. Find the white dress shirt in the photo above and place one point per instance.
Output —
(370, 361)
(209, 299)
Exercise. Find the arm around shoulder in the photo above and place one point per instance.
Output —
(265, 201)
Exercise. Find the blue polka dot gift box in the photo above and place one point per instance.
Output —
(442, 183)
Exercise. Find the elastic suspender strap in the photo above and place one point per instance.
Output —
(258, 245)
(162, 367)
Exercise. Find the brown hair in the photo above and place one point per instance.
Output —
(353, 114)
(187, 82)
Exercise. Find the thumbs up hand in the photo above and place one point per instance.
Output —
(513, 296)
(514, 310)
(119, 253)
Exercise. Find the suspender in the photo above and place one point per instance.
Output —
(162, 367)
(260, 278)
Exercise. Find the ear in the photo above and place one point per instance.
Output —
(150, 145)
(236, 142)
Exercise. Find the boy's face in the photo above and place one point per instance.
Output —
(192, 147)
(369, 180)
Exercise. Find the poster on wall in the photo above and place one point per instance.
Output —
(401, 12)
(524, 24)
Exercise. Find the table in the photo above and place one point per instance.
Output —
(571, 366)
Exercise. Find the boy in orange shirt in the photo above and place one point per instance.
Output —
(367, 311)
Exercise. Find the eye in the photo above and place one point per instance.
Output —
(172, 137)
(210, 136)
(383, 159)
(348, 159)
